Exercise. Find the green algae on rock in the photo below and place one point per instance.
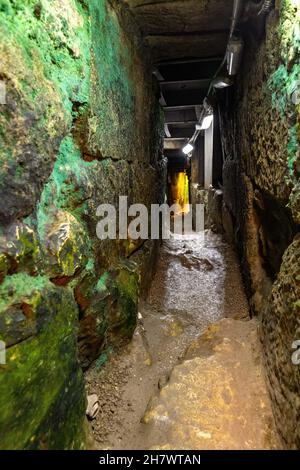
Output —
(40, 367)
(109, 308)
(19, 249)
(73, 135)
(123, 286)
(65, 246)
(43, 76)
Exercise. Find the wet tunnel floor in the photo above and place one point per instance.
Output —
(192, 377)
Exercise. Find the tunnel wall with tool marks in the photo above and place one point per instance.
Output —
(261, 195)
(80, 126)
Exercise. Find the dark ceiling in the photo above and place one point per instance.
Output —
(188, 40)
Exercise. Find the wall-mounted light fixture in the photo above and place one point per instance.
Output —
(206, 117)
(222, 82)
(188, 148)
(234, 55)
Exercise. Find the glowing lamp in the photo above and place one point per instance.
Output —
(188, 149)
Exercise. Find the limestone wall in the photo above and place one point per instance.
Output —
(262, 194)
(81, 126)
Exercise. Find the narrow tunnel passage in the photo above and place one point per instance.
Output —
(149, 394)
(149, 225)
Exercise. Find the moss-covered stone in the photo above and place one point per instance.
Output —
(93, 316)
(3, 266)
(123, 287)
(41, 368)
(69, 187)
(108, 306)
(65, 246)
(19, 249)
(119, 68)
(45, 67)
(73, 134)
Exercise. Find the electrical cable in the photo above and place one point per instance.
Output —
(235, 17)
(263, 8)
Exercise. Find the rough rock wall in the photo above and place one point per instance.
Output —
(81, 125)
(262, 194)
